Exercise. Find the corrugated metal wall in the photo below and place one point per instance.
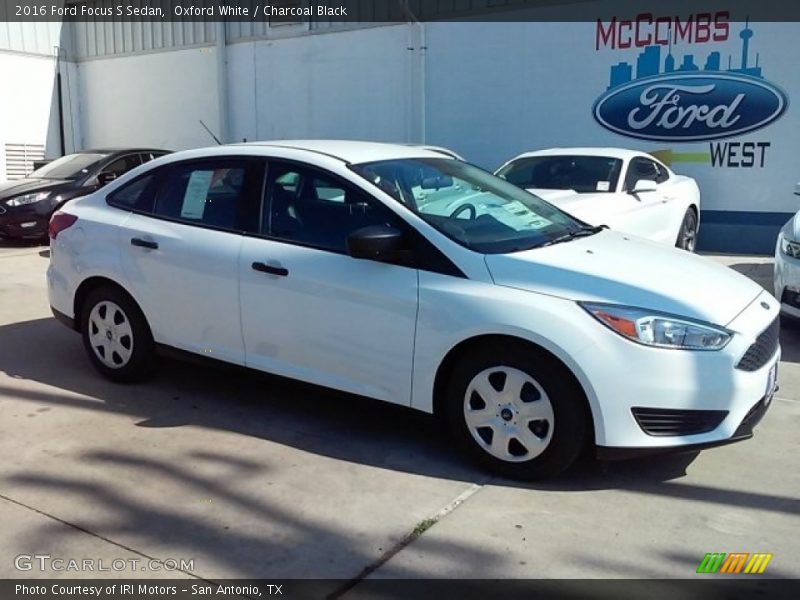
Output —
(30, 38)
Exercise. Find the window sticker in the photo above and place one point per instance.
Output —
(603, 186)
(518, 216)
(194, 200)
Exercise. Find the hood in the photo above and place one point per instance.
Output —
(553, 196)
(620, 269)
(26, 185)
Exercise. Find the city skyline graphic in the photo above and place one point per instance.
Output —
(648, 63)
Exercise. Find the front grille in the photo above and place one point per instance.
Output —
(762, 349)
(661, 421)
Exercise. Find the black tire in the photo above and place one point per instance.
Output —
(142, 348)
(571, 417)
(687, 236)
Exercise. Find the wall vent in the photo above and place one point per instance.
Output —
(20, 159)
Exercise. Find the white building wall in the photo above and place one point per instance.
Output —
(28, 104)
(349, 85)
(155, 100)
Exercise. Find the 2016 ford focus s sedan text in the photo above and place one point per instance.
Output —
(397, 273)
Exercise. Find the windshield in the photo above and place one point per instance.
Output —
(469, 205)
(71, 166)
(582, 174)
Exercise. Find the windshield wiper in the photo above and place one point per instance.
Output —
(584, 231)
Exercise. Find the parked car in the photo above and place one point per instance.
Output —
(787, 266)
(27, 204)
(629, 191)
(400, 274)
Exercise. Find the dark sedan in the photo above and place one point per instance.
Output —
(27, 204)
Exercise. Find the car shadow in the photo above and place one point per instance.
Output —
(231, 398)
(307, 417)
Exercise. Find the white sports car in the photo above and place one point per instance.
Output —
(629, 191)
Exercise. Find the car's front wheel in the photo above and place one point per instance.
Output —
(116, 335)
(516, 411)
(687, 236)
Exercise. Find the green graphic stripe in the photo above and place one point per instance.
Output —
(691, 157)
(711, 562)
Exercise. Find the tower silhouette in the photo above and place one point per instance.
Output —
(745, 34)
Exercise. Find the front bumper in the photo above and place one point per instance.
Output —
(743, 432)
(26, 222)
(625, 377)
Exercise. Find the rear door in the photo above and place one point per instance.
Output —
(312, 312)
(180, 251)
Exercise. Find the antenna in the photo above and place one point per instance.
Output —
(211, 133)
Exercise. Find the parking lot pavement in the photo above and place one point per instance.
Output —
(254, 476)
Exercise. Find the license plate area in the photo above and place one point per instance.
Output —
(772, 383)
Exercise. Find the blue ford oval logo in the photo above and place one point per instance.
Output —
(690, 107)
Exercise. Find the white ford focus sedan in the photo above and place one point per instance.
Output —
(629, 191)
(397, 273)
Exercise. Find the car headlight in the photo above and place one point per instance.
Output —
(661, 330)
(790, 248)
(28, 199)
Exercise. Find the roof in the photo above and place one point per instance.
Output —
(352, 151)
(117, 150)
(621, 153)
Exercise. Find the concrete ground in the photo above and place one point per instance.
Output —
(254, 476)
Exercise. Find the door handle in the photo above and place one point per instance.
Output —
(140, 243)
(264, 268)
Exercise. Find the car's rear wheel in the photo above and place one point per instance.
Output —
(516, 411)
(116, 335)
(687, 236)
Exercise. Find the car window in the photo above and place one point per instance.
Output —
(472, 207)
(581, 174)
(71, 166)
(132, 195)
(313, 208)
(642, 168)
(124, 164)
(208, 193)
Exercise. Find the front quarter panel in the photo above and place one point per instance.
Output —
(453, 310)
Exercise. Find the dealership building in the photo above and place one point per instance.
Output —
(710, 93)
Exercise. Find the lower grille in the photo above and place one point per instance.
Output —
(762, 349)
(662, 422)
(791, 298)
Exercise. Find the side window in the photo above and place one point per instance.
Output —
(663, 174)
(122, 165)
(641, 168)
(209, 193)
(315, 209)
(132, 196)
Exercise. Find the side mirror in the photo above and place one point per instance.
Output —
(797, 189)
(105, 178)
(643, 185)
(375, 242)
